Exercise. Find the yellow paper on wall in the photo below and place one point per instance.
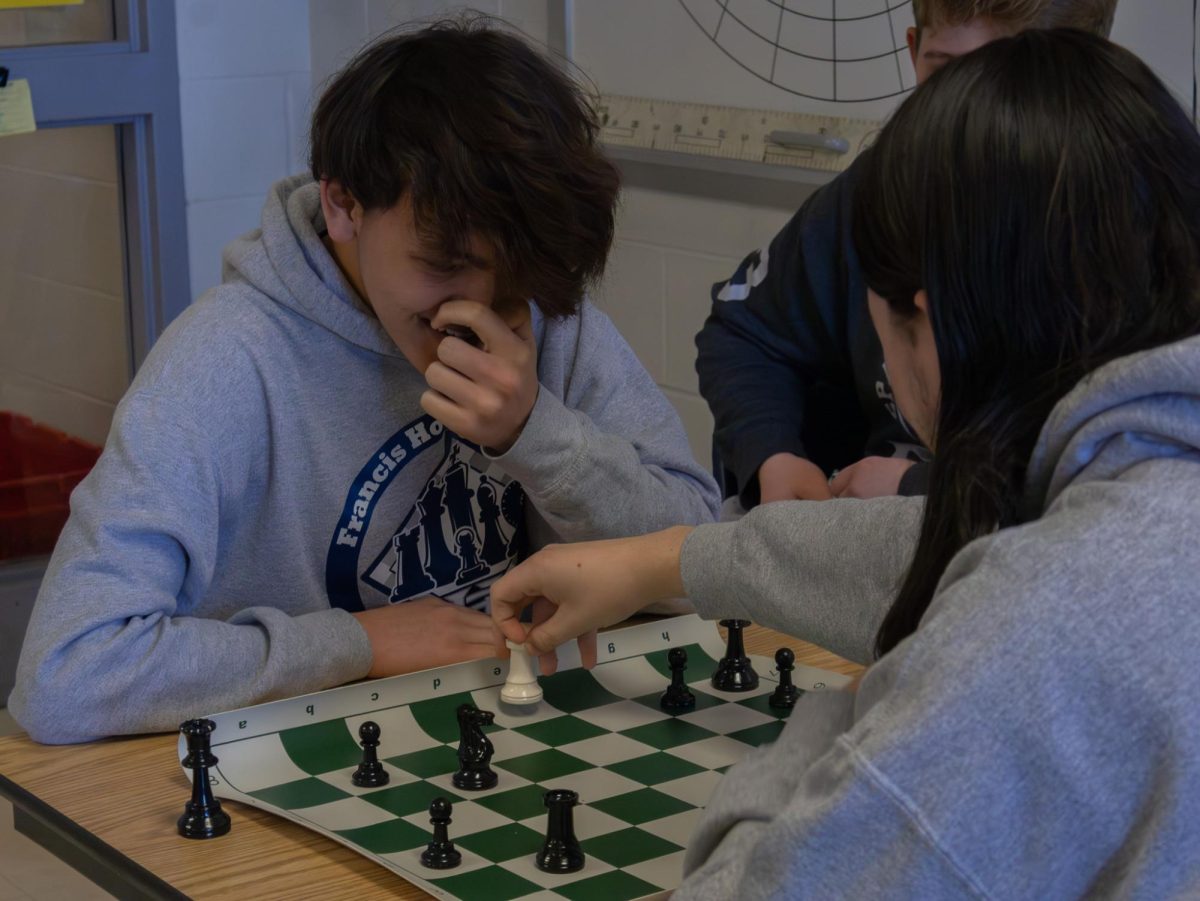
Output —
(16, 108)
(17, 4)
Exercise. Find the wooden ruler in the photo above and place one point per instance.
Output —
(802, 140)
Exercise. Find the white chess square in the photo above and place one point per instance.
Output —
(695, 789)
(630, 678)
(257, 763)
(346, 813)
(509, 715)
(527, 869)
(466, 818)
(410, 861)
(665, 872)
(765, 687)
(712, 753)
(509, 744)
(678, 828)
(605, 749)
(399, 732)
(727, 718)
(594, 785)
(506, 781)
(341, 779)
(589, 822)
(622, 715)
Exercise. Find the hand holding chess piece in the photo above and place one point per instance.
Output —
(521, 687)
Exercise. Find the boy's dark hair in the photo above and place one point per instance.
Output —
(1095, 16)
(485, 136)
(1045, 191)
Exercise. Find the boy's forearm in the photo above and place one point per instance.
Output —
(149, 674)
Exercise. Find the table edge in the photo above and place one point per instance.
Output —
(73, 844)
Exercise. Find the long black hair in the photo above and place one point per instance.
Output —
(1045, 191)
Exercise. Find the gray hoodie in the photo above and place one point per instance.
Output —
(270, 471)
(1039, 735)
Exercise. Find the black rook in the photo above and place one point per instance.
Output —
(202, 816)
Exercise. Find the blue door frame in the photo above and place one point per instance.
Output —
(132, 83)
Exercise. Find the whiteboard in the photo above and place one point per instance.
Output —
(830, 57)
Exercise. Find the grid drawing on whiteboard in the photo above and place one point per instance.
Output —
(842, 51)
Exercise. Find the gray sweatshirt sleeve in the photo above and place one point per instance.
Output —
(824, 571)
(124, 637)
(603, 454)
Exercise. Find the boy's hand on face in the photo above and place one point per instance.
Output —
(786, 477)
(484, 394)
(870, 477)
(425, 633)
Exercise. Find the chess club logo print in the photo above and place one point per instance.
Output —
(466, 528)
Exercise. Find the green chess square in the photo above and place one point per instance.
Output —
(576, 689)
(387, 837)
(430, 762)
(402, 800)
(518, 803)
(626, 847)
(667, 733)
(655, 768)
(762, 705)
(503, 843)
(321, 747)
(703, 702)
(759, 735)
(699, 664)
(614, 885)
(641, 806)
(542, 766)
(301, 793)
(439, 716)
(561, 730)
(488, 884)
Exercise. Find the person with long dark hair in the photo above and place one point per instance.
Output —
(1029, 226)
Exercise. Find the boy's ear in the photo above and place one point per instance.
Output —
(342, 212)
(913, 36)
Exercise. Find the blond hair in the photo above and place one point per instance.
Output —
(1095, 16)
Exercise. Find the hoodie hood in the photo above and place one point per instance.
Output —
(1141, 407)
(286, 260)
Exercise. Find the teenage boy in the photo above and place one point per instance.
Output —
(324, 463)
(788, 359)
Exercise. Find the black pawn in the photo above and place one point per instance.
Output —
(370, 773)
(678, 697)
(203, 816)
(440, 854)
(734, 672)
(561, 852)
(785, 694)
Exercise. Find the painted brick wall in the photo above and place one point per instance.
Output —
(63, 338)
(245, 88)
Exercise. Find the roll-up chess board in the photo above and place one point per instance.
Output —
(643, 775)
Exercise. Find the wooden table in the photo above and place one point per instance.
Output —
(109, 809)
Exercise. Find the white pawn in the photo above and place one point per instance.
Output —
(521, 687)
